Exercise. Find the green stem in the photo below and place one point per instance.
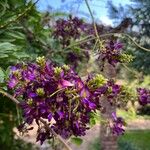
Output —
(132, 71)
(56, 92)
(95, 28)
(84, 40)
(129, 37)
(107, 35)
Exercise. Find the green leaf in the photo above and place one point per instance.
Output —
(77, 141)
(15, 35)
(6, 46)
(2, 75)
(92, 121)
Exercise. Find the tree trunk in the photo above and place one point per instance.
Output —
(108, 140)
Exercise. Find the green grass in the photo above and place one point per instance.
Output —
(131, 140)
(131, 115)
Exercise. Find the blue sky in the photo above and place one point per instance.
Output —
(99, 7)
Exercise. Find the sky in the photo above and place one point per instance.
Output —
(98, 7)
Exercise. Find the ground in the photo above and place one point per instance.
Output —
(92, 134)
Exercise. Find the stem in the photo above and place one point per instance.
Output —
(56, 92)
(143, 48)
(44, 122)
(10, 97)
(18, 115)
(95, 28)
(94, 47)
(130, 70)
(55, 134)
(84, 40)
(106, 35)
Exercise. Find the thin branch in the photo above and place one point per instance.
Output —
(56, 92)
(129, 37)
(55, 134)
(130, 70)
(84, 40)
(19, 16)
(9, 96)
(94, 24)
(92, 37)
(44, 122)
(143, 48)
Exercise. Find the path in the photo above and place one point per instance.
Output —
(91, 135)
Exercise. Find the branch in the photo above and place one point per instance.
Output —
(55, 134)
(129, 37)
(19, 16)
(130, 70)
(44, 122)
(95, 28)
(139, 46)
(92, 37)
(9, 96)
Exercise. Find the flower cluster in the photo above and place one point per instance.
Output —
(58, 95)
(112, 53)
(69, 29)
(143, 96)
(118, 124)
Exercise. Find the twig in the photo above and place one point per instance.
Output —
(143, 48)
(132, 71)
(19, 16)
(56, 92)
(95, 28)
(107, 35)
(10, 97)
(44, 122)
(84, 40)
(55, 134)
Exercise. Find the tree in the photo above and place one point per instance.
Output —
(139, 12)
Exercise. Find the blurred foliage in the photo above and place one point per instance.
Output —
(144, 110)
(139, 12)
(25, 33)
(129, 141)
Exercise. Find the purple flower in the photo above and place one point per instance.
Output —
(115, 89)
(60, 114)
(12, 82)
(111, 53)
(118, 124)
(49, 116)
(13, 68)
(38, 85)
(143, 96)
(79, 84)
(42, 136)
(64, 83)
(84, 92)
(89, 104)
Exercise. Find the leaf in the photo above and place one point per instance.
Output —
(78, 141)
(2, 75)
(15, 35)
(92, 121)
(6, 46)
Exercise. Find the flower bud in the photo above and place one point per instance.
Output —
(40, 92)
(41, 61)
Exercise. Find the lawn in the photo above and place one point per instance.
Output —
(131, 140)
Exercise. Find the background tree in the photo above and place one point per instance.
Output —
(139, 12)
